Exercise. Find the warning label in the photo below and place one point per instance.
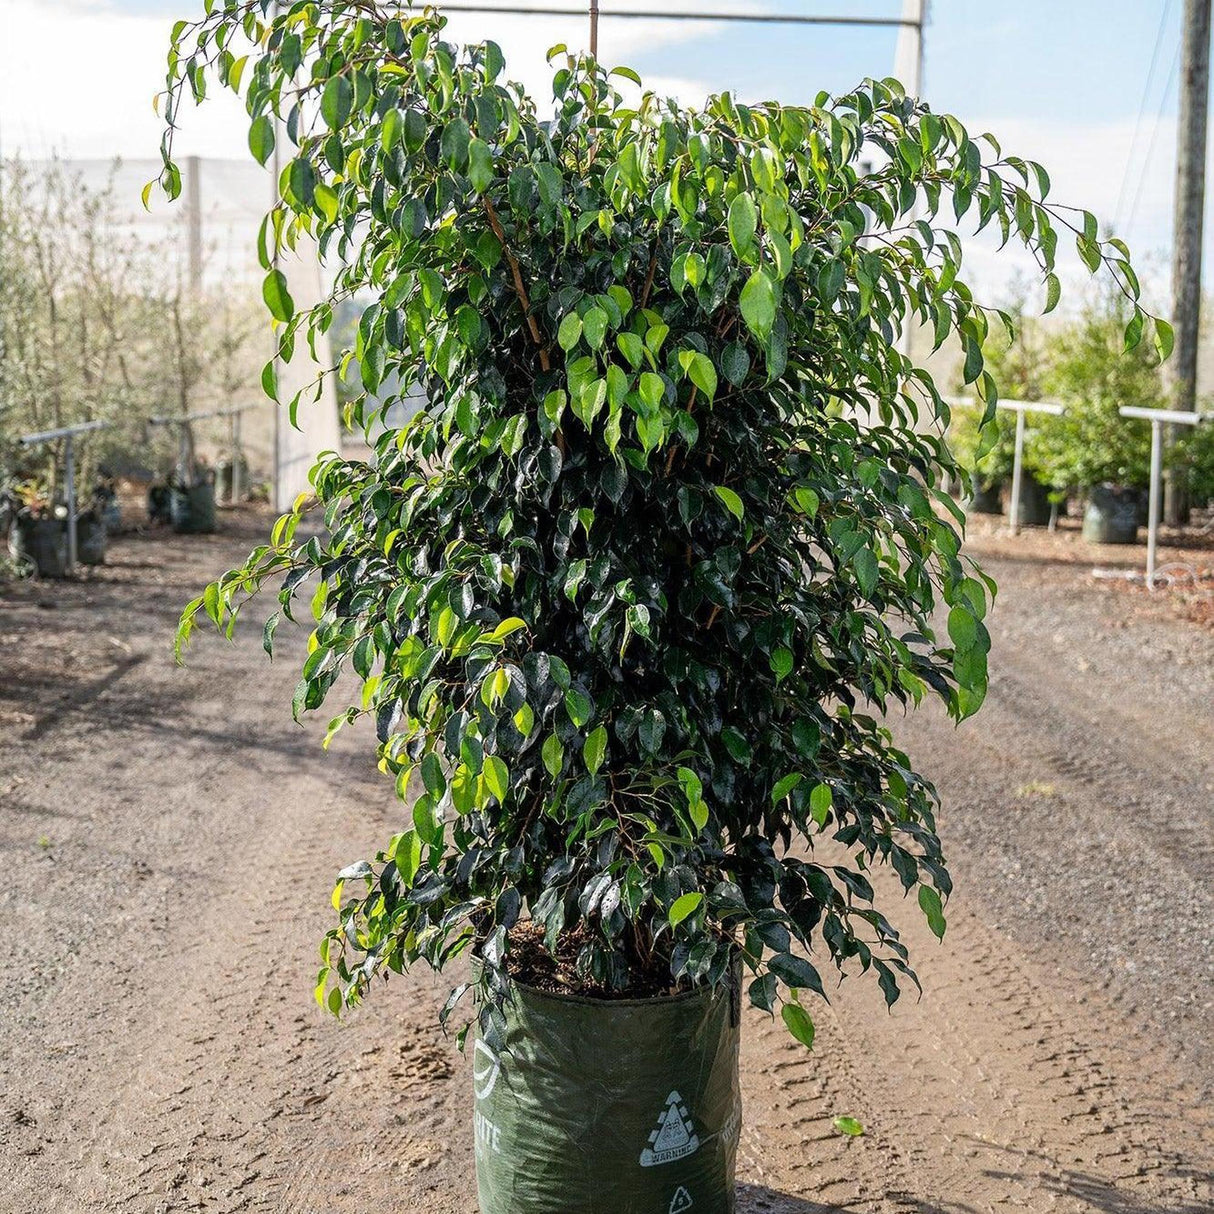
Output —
(674, 1138)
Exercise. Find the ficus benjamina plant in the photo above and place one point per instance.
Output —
(629, 598)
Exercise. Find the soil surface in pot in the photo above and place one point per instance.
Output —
(531, 963)
(170, 839)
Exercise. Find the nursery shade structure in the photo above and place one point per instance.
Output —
(212, 240)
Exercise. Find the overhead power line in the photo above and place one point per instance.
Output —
(634, 14)
(1142, 109)
(1145, 163)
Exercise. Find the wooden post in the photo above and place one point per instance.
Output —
(1187, 225)
(594, 29)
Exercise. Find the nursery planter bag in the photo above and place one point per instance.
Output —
(609, 1106)
(193, 509)
(1111, 516)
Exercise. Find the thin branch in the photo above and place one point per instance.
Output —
(519, 288)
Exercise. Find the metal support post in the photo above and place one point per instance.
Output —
(1013, 517)
(69, 490)
(237, 487)
(1158, 419)
(1153, 502)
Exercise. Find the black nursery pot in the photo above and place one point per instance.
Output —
(628, 1106)
(987, 499)
(192, 509)
(1034, 508)
(1111, 516)
(90, 539)
(43, 543)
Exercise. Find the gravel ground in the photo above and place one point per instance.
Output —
(169, 838)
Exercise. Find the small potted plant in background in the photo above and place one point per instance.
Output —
(1091, 449)
(988, 473)
(1015, 356)
(626, 598)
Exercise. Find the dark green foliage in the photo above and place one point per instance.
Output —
(626, 599)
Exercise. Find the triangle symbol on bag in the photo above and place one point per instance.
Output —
(675, 1136)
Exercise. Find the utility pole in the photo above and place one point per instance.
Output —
(908, 67)
(1187, 224)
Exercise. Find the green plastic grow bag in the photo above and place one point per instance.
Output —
(609, 1106)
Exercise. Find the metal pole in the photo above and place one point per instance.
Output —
(1187, 222)
(236, 485)
(69, 486)
(640, 14)
(1153, 500)
(1014, 510)
(908, 67)
(183, 455)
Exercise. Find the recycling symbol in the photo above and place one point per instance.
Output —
(680, 1201)
(674, 1138)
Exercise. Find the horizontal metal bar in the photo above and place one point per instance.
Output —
(1032, 406)
(632, 14)
(197, 417)
(1014, 406)
(46, 436)
(1174, 417)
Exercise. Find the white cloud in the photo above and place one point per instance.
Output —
(108, 65)
(1086, 163)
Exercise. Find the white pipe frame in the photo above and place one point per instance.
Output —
(1020, 408)
(1158, 419)
(233, 416)
(67, 433)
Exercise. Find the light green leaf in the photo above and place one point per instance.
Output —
(743, 222)
(820, 802)
(758, 304)
(553, 754)
(278, 298)
(798, 1022)
(578, 706)
(781, 662)
(683, 907)
(651, 389)
(570, 331)
(594, 327)
(497, 776)
(733, 503)
(929, 903)
(594, 749)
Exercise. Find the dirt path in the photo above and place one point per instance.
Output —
(169, 838)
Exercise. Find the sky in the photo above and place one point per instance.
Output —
(1087, 87)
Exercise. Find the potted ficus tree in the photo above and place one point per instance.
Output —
(626, 598)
